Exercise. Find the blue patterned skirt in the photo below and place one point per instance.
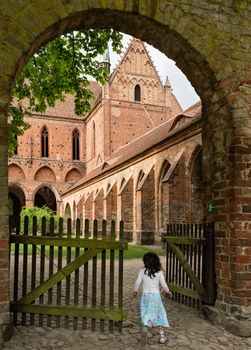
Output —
(152, 311)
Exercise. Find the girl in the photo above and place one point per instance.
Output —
(151, 307)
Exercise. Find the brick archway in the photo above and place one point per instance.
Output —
(204, 42)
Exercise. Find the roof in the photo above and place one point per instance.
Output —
(188, 114)
(65, 109)
(141, 144)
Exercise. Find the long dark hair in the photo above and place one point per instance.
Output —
(152, 264)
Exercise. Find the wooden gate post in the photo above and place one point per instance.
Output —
(209, 264)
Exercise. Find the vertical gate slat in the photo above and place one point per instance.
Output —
(60, 257)
(33, 262)
(103, 275)
(200, 258)
(209, 263)
(94, 275)
(195, 255)
(179, 233)
(187, 257)
(68, 278)
(111, 291)
(25, 257)
(16, 270)
(183, 271)
(173, 262)
(176, 265)
(42, 268)
(55, 262)
(51, 264)
(168, 258)
(192, 253)
(199, 254)
(76, 282)
(85, 292)
(121, 270)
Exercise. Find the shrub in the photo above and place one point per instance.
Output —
(39, 213)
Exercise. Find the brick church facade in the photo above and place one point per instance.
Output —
(135, 157)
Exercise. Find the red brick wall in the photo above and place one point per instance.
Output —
(99, 210)
(197, 190)
(129, 120)
(148, 210)
(127, 209)
(88, 207)
(111, 205)
(178, 201)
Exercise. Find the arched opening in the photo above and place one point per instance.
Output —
(126, 209)
(178, 196)
(137, 93)
(212, 69)
(88, 210)
(196, 189)
(16, 202)
(45, 196)
(93, 139)
(16, 148)
(148, 210)
(99, 205)
(145, 208)
(164, 196)
(80, 208)
(111, 204)
(67, 211)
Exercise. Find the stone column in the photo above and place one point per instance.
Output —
(5, 322)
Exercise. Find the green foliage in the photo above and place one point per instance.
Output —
(10, 206)
(61, 67)
(137, 251)
(39, 213)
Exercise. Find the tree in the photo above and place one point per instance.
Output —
(59, 68)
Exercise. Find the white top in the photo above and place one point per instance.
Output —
(150, 284)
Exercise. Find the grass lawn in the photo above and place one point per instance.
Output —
(133, 252)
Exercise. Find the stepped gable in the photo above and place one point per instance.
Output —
(142, 144)
(138, 68)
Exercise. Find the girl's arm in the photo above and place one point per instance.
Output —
(138, 282)
(163, 283)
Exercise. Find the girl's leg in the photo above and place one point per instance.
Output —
(162, 338)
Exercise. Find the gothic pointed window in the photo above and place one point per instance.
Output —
(16, 147)
(93, 139)
(75, 144)
(137, 93)
(44, 142)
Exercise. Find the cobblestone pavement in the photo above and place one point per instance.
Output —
(189, 330)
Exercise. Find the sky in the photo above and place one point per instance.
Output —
(181, 87)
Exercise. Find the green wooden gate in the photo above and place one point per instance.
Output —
(68, 277)
(190, 263)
